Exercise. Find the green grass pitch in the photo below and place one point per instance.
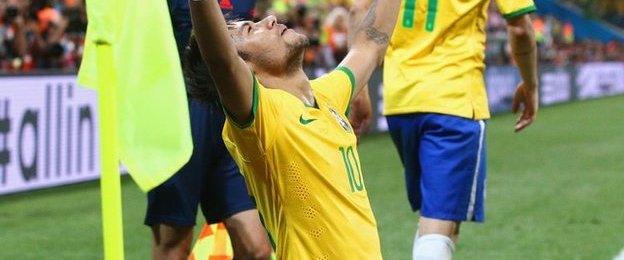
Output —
(555, 191)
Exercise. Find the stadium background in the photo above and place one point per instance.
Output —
(555, 192)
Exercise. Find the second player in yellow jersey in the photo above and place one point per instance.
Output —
(434, 62)
(435, 104)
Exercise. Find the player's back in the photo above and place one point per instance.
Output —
(435, 60)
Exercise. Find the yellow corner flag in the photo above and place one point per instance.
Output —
(213, 243)
(130, 58)
(153, 122)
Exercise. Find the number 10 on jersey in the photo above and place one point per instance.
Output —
(352, 167)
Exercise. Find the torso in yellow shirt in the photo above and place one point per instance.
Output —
(301, 165)
(435, 60)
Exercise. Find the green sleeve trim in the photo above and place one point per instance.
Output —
(352, 80)
(520, 12)
(254, 107)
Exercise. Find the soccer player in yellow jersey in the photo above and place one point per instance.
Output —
(435, 103)
(290, 135)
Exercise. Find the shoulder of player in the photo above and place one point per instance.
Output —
(328, 79)
(320, 88)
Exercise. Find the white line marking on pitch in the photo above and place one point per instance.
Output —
(620, 256)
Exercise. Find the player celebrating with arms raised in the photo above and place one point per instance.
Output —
(290, 135)
(435, 102)
(210, 179)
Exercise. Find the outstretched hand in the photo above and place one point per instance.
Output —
(529, 99)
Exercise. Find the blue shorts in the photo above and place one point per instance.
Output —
(210, 178)
(444, 158)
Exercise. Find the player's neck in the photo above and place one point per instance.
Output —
(295, 83)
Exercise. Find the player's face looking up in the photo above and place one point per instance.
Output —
(268, 43)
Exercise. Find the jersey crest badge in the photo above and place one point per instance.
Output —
(345, 125)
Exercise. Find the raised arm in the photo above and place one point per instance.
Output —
(371, 25)
(524, 52)
(231, 75)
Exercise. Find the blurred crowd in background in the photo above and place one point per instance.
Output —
(556, 41)
(40, 35)
(611, 11)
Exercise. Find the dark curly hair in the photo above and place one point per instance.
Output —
(199, 82)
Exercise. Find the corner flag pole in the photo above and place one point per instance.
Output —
(110, 187)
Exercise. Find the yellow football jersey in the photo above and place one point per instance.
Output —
(302, 167)
(435, 60)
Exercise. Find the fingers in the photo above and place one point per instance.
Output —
(515, 105)
(529, 102)
(360, 125)
(366, 124)
(356, 123)
(522, 124)
(360, 120)
(525, 120)
(356, 128)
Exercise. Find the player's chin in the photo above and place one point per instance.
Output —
(297, 40)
